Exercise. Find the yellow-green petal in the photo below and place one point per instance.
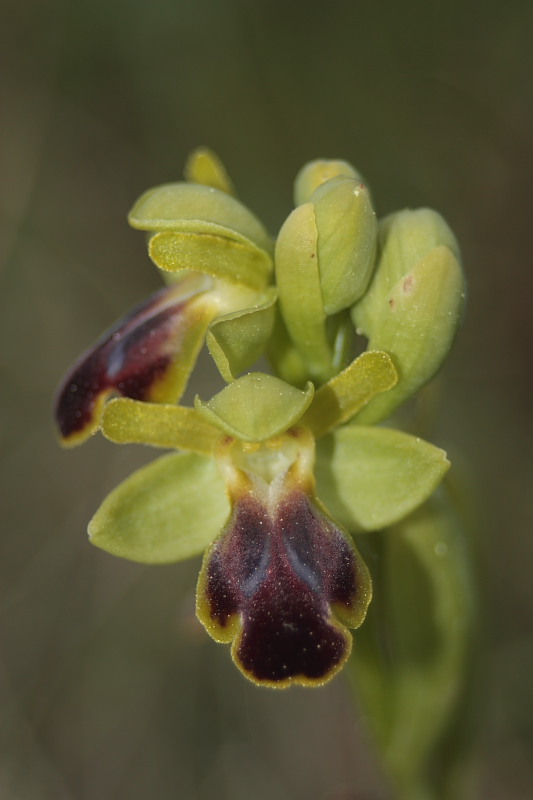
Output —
(194, 208)
(256, 407)
(370, 477)
(237, 340)
(347, 235)
(165, 512)
(349, 391)
(203, 166)
(128, 421)
(236, 261)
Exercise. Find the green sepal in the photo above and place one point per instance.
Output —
(414, 666)
(238, 261)
(347, 235)
(203, 166)
(192, 208)
(315, 173)
(345, 394)
(127, 421)
(256, 407)
(237, 340)
(300, 295)
(370, 477)
(165, 512)
(413, 317)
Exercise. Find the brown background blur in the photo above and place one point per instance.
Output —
(108, 686)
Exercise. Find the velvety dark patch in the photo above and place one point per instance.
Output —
(282, 571)
(128, 359)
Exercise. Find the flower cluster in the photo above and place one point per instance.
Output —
(276, 472)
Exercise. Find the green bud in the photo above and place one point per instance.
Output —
(203, 166)
(324, 259)
(404, 238)
(315, 173)
(413, 306)
(347, 233)
(300, 296)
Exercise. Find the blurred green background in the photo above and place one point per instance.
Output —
(108, 686)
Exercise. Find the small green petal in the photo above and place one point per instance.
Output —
(300, 295)
(417, 326)
(370, 477)
(347, 235)
(237, 340)
(222, 257)
(128, 421)
(165, 512)
(315, 173)
(203, 166)
(346, 394)
(256, 407)
(193, 208)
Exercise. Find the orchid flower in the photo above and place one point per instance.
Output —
(274, 474)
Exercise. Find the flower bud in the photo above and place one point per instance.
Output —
(315, 173)
(203, 166)
(413, 306)
(347, 232)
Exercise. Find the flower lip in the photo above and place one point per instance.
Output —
(283, 582)
(135, 358)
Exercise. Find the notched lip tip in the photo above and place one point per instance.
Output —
(299, 680)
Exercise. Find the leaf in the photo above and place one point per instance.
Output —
(370, 477)
(165, 512)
